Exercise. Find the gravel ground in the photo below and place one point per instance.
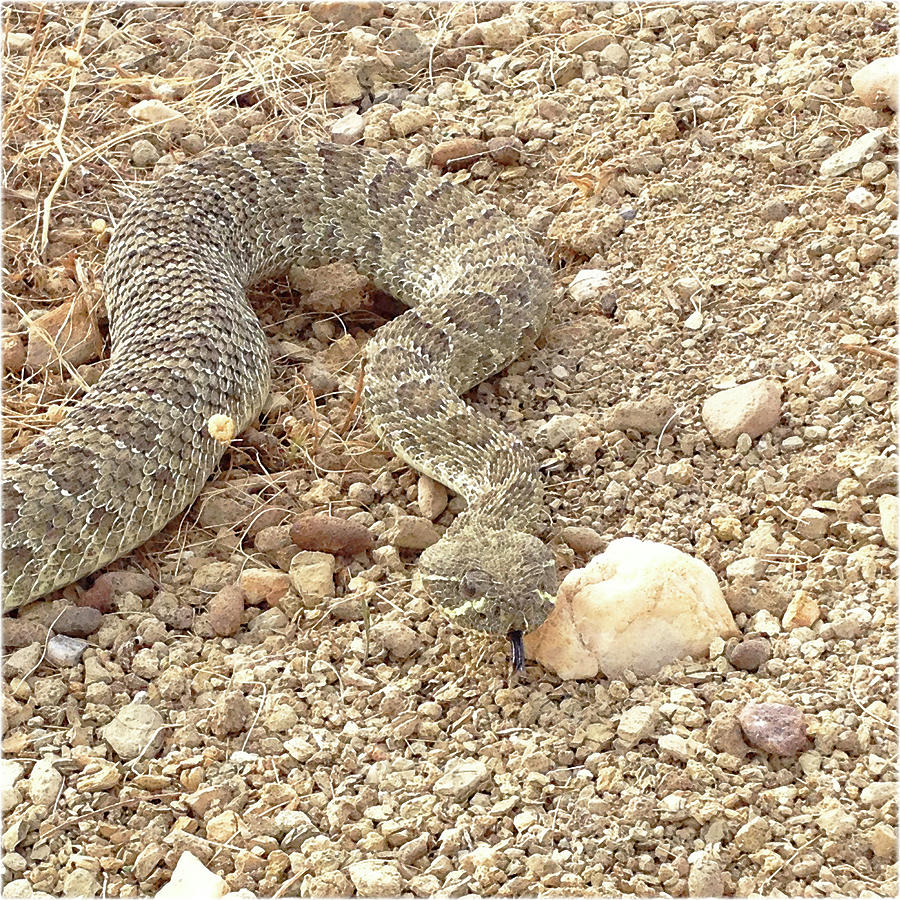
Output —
(313, 726)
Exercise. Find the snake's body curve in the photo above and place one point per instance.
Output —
(186, 346)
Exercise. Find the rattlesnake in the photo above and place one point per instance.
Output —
(186, 346)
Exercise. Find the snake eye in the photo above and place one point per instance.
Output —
(469, 585)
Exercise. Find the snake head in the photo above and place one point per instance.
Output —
(489, 580)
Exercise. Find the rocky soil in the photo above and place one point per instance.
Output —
(720, 208)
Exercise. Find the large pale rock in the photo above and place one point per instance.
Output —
(752, 408)
(411, 533)
(876, 83)
(432, 497)
(638, 606)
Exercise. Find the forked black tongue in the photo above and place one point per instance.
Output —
(518, 650)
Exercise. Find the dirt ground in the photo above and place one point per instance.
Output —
(359, 743)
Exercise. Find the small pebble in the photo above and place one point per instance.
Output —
(330, 534)
(506, 151)
(226, 610)
(398, 639)
(411, 533)
(312, 575)
(230, 713)
(192, 879)
(79, 621)
(458, 153)
(375, 878)
(136, 730)
(636, 724)
(750, 654)
(144, 155)
(774, 728)
(582, 539)
(64, 651)
(861, 199)
(801, 612)
(461, 779)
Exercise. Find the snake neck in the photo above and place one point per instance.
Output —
(512, 503)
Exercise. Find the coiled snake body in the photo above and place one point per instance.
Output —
(185, 346)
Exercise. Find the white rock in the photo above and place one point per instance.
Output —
(152, 111)
(44, 782)
(694, 321)
(64, 651)
(853, 154)
(887, 510)
(588, 285)
(876, 83)
(616, 55)
(18, 41)
(192, 880)
(836, 823)
(752, 408)
(861, 199)
(80, 883)
(462, 778)
(375, 878)
(878, 793)
(638, 606)
(312, 575)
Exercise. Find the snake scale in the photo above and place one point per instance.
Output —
(186, 346)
